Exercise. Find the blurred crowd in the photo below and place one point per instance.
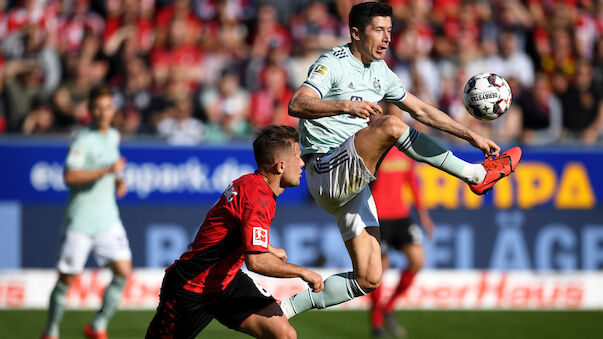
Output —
(216, 70)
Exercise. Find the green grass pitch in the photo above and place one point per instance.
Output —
(345, 324)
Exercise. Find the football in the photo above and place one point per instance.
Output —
(487, 96)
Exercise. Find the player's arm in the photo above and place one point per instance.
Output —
(435, 118)
(306, 104)
(278, 252)
(424, 217)
(266, 263)
(121, 188)
(81, 176)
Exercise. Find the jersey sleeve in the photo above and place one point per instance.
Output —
(256, 218)
(395, 90)
(76, 157)
(323, 74)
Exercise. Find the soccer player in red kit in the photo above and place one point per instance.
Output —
(207, 281)
(396, 173)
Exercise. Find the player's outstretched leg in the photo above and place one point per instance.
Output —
(373, 141)
(365, 252)
(423, 148)
(339, 288)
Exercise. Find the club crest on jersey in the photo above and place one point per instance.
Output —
(319, 72)
(260, 237)
(230, 193)
(377, 85)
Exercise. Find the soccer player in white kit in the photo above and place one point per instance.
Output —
(92, 220)
(342, 152)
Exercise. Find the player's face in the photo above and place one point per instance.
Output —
(102, 111)
(293, 167)
(376, 38)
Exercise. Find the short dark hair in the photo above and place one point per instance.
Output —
(98, 92)
(361, 14)
(271, 140)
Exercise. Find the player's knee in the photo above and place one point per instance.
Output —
(416, 265)
(392, 126)
(67, 279)
(285, 331)
(122, 269)
(369, 283)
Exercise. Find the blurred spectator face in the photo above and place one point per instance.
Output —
(562, 42)
(317, 12)
(137, 75)
(184, 108)
(81, 6)
(179, 34)
(45, 118)
(275, 79)
(176, 86)
(508, 43)
(40, 119)
(103, 111)
(229, 84)
(90, 45)
(542, 88)
(489, 47)
(560, 82)
(131, 9)
(33, 76)
(267, 17)
(181, 5)
(584, 75)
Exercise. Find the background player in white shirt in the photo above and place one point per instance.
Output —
(92, 220)
(342, 152)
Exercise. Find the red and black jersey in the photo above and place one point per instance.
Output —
(238, 223)
(395, 175)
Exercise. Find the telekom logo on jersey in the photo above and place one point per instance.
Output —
(260, 237)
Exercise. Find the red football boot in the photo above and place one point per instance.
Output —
(497, 168)
(44, 336)
(91, 333)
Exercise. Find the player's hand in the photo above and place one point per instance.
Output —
(362, 109)
(314, 280)
(489, 147)
(119, 165)
(279, 253)
(121, 188)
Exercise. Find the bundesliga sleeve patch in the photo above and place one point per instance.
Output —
(319, 72)
(260, 237)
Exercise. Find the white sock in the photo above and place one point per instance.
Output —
(287, 308)
(474, 173)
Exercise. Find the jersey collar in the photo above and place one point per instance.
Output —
(257, 174)
(353, 60)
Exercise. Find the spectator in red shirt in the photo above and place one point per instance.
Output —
(207, 281)
(73, 26)
(398, 232)
(269, 104)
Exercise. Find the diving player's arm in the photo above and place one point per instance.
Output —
(306, 104)
(266, 263)
(435, 118)
(80, 176)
